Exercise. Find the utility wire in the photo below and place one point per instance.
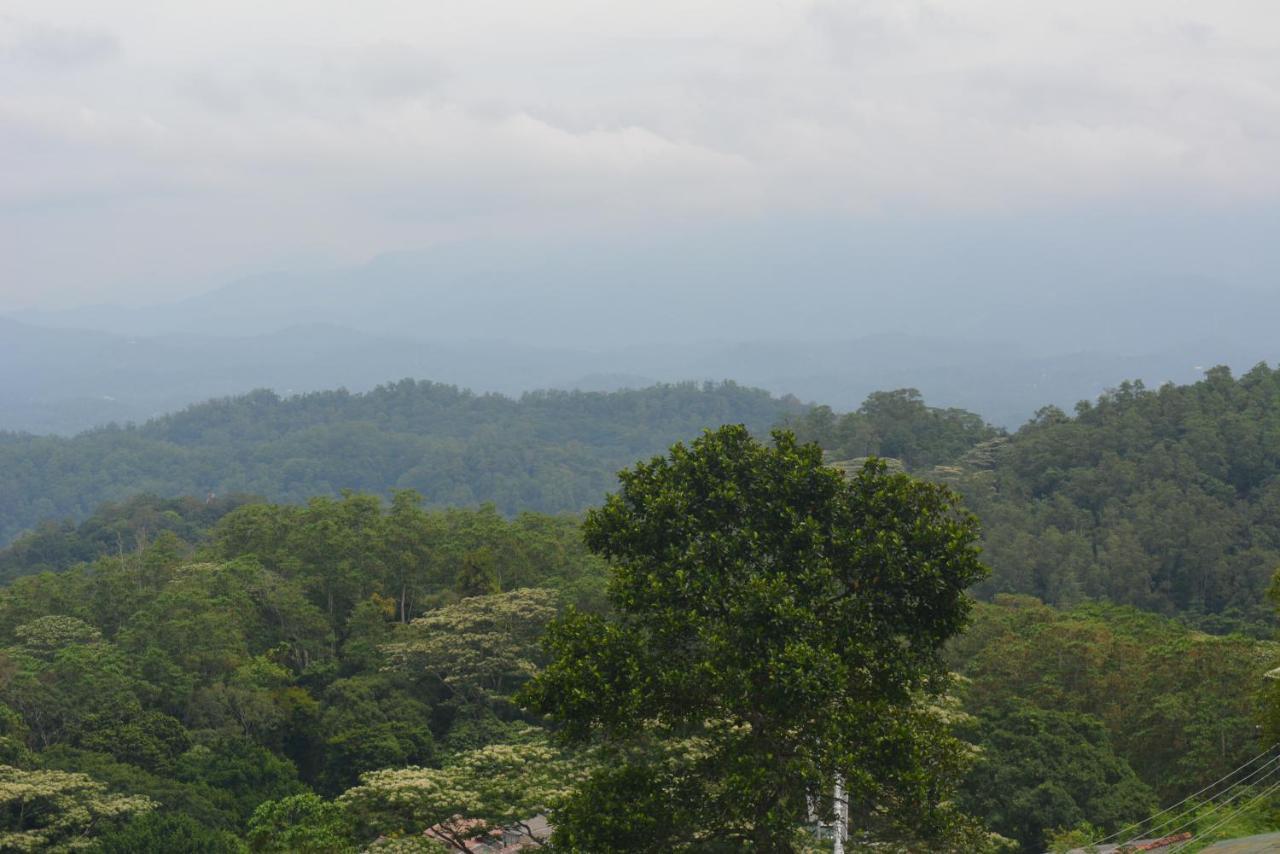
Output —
(1228, 776)
(1239, 811)
(1159, 830)
(1125, 830)
(1216, 806)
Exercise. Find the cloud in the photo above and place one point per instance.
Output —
(45, 46)
(393, 125)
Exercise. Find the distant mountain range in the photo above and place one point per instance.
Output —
(63, 380)
(979, 321)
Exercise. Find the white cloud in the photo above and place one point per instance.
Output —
(321, 126)
(47, 47)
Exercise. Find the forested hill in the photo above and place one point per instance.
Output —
(1165, 499)
(247, 667)
(546, 451)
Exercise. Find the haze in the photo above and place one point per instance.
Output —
(1003, 204)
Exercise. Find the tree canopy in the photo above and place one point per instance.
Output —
(1041, 769)
(1166, 499)
(335, 673)
(786, 620)
(895, 424)
(550, 451)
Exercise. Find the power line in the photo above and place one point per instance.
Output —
(1218, 805)
(1246, 782)
(1125, 830)
(1239, 811)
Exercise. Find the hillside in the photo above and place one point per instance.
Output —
(239, 655)
(1070, 705)
(1165, 499)
(548, 451)
(64, 380)
(1090, 711)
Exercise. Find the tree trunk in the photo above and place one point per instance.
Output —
(842, 812)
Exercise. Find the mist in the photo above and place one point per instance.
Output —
(1001, 315)
(1003, 210)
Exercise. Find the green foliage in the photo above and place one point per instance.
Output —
(785, 618)
(495, 786)
(210, 806)
(45, 636)
(473, 726)
(65, 681)
(1167, 500)
(301, 824)
(368, 628)
(168, 833)
(371, 721)
(632, 807)
(257, 669)
(344, 551)
(43, 810)
(483, 646)
(121, 528)
(895, 424)
(13, 739)
(1080, 837)
(476, 576)
(1255, 810)
(546, 451)
(1181, 707)
(248, 773)
(1041, 769)
(151, 740)
(396, 844)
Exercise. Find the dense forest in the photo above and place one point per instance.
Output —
(548, 451)
(1165, 499)
(206, 678)
(113, 529)
(1097, 713)
(239, 685)
(339, 672)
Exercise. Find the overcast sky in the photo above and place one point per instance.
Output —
(154, 147)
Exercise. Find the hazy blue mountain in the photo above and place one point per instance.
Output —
(63, 380)
(1051, 288)
(1000, 317)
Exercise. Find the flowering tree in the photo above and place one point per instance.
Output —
(48, 810)
(501, 785)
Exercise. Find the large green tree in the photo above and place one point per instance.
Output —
(787, 622)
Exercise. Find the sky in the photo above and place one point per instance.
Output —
(152, 150)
